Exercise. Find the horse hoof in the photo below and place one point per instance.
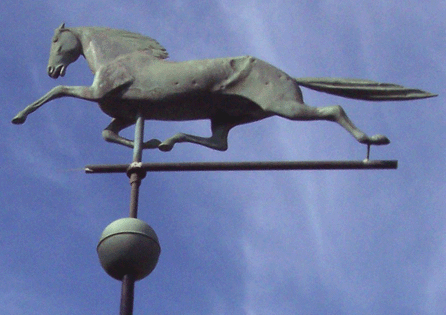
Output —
(165, 147)
(151, 144)
(379, 140)
(18, 120)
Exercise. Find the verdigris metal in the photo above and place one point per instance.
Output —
(132, 77)
(128, 246)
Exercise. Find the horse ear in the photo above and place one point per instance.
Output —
(62, 26)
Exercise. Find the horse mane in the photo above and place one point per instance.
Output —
(134, 41)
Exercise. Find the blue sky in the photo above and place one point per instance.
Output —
(326, 242)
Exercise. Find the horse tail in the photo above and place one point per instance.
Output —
(363, 89)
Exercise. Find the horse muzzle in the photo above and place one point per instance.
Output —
(55, 72)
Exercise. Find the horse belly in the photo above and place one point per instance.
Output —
(204, 106)
(192, 107)
(181, 109)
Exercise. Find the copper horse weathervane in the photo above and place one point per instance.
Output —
(133, 82)
(131, 76)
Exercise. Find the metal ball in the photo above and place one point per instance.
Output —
(128, 246)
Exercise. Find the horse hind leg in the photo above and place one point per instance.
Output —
(217, 141)
(337, 114)
(302, 112)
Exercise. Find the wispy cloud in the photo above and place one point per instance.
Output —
(264, 243)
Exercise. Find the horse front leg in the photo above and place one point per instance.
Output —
(111, 134)
(82, 92)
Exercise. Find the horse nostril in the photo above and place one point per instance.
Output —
(50, 69)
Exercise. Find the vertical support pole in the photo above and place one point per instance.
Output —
(139, 138)
(136, 176)
(135, 182)
(127, 295)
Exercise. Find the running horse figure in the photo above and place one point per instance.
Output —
(132, 78)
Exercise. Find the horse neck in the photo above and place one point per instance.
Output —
(92, 52)
(98, 47)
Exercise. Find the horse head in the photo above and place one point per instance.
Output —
(65, 49)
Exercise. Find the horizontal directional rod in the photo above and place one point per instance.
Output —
(245, 166)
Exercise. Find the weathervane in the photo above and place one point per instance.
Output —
(133, 82)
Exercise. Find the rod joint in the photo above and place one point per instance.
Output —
(136, 167)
